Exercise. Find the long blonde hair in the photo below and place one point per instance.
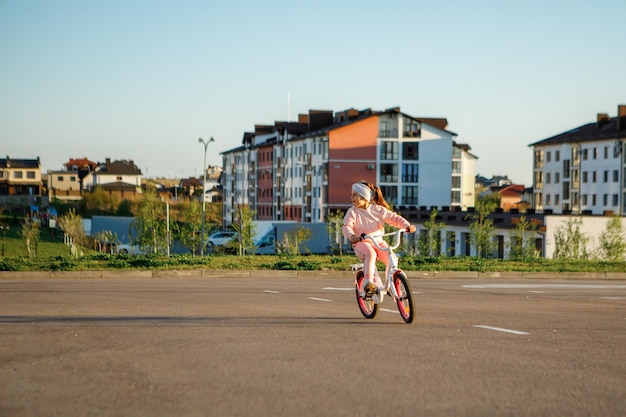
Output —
(378, 195)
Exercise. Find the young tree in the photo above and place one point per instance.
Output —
(150, 224)
(189, 223)
(429, 243)
(246, 229)
(523, 240)
(31, 236)
(73, 231)
(481, 226)
(334, 223)
(612, 243)
(569, 241)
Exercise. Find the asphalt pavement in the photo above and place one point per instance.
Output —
(298, 346)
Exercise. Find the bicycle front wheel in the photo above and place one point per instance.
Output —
(405, 297)
(366, 303)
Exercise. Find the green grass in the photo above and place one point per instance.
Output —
(53, 255)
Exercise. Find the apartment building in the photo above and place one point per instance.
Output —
(581, 171)
(303, 170)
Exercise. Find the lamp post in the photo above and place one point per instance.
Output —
(205, 143)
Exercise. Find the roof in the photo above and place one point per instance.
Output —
(19, 163)
(122, 167)
(601, 130)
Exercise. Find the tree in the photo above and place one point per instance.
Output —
(481, 226)
(293, 239)
(73, 231)
(97, 201)
(150, 224)
(334, 223)
(523, 240)
(246, 229)
(31, 236)
(612, 243)
(429, 243)
(569, 241)
(189, 224)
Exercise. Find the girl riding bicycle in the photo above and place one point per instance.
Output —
(368, 215)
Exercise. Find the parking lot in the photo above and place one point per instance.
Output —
(294, 346)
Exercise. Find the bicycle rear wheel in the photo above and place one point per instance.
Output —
(405, 297)
(366, 303)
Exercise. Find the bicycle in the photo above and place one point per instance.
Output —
(400, 290)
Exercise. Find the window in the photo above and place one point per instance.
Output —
(595, 153)
(456, 167)
(390, 192)
(548, 178)
(456, 196)
(17, 174)
(385, 131)
(409, 195)
(585, 154)
(594, 199)
(606, 152)
(548, 200)
(606, 176)
(60, 178)
(615, 200)
(456, 181)
(410, 173)
(30, 175)
(615, 175)
(548, 156)
(389, 172)
(410, 151)
(557, 156)
(557, 199)
(605, 199)
(566, 168)
(411, 129)
(557, 177)
(584, 177)
(594, 176)
(389, 151)
(584, 199)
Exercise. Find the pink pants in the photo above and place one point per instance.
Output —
(367, 253)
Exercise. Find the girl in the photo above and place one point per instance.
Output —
(368, 214)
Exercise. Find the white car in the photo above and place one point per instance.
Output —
(125, 249)
(220, 239)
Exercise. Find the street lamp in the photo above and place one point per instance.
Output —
(205, 143)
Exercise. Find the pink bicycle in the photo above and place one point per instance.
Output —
(395, 284)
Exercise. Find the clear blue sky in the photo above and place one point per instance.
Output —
(143, 80)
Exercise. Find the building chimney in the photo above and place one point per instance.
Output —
(621, 116)
(603, 118)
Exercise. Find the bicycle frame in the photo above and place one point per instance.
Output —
(392, 266)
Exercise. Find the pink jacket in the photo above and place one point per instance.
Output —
(371, 220)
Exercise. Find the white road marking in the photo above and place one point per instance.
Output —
(525, 286)
(613, 298)
(320, 299)
(390, 311)
(271, 292)
(499, 329)
(338, 289)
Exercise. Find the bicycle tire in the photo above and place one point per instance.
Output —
(405, 299)
(366, 304)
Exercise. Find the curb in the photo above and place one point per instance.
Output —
(211, 273)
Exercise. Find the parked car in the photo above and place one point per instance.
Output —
(125, 249)
(220, 239)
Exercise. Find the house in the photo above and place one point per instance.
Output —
(20, 177)
(73, 181)
(304, 170)
(582, 170)
(121, 179)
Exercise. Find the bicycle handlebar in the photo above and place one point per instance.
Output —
(392, 247)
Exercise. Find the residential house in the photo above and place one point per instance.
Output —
(304, 170)
(582, 170)
(121, 179)
(20, 177)
(73, 181)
